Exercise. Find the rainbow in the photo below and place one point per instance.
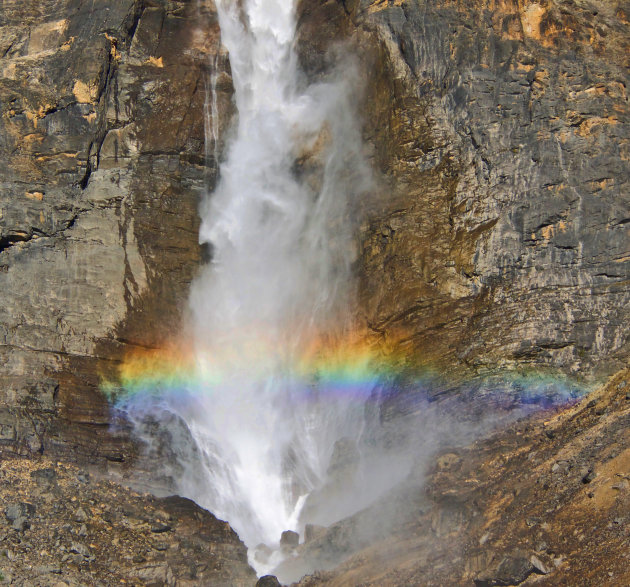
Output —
(323, 369)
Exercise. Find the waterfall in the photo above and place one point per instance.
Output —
(275, 414)
(278, 415)
(280, 230)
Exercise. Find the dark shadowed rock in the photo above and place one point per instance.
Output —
(268, 581)
(45, 478)
(588, 475)
(289, 539)
(511, 571)
(160, 528)
(19, 510)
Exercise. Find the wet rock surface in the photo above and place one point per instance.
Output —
(99, 533)
(289, 539)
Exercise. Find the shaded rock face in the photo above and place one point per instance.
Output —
(499, 234)
(102, 161)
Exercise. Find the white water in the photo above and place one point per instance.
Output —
(244, 441)
(282, 248)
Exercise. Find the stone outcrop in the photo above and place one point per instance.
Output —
(76, 530)
(102, 160)
(519, 504)
(498, 236)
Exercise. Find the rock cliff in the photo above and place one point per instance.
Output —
(496, 236)
(102, 160)
(499, 234)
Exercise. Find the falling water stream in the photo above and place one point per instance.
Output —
(274, 420)
(279, 276)
(279, 228)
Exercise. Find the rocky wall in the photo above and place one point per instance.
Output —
(498, 235)
(102, 164)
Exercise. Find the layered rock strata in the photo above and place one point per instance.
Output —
(103, 160)
(498, 236)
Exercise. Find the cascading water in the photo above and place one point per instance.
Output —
(279, 229)
(273, 419)
(279, 275)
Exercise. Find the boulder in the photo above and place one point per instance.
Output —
(19, 510)
(289, 539)
(512, 570)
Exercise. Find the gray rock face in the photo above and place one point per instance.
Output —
(19, 515)
(499, 236)
(289, 538)
(102, 161)
(45, 478)
(19, 510)
(528, 111)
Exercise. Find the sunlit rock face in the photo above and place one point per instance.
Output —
(102, 160)
(499, 235)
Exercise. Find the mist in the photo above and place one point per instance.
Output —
(285, 419)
